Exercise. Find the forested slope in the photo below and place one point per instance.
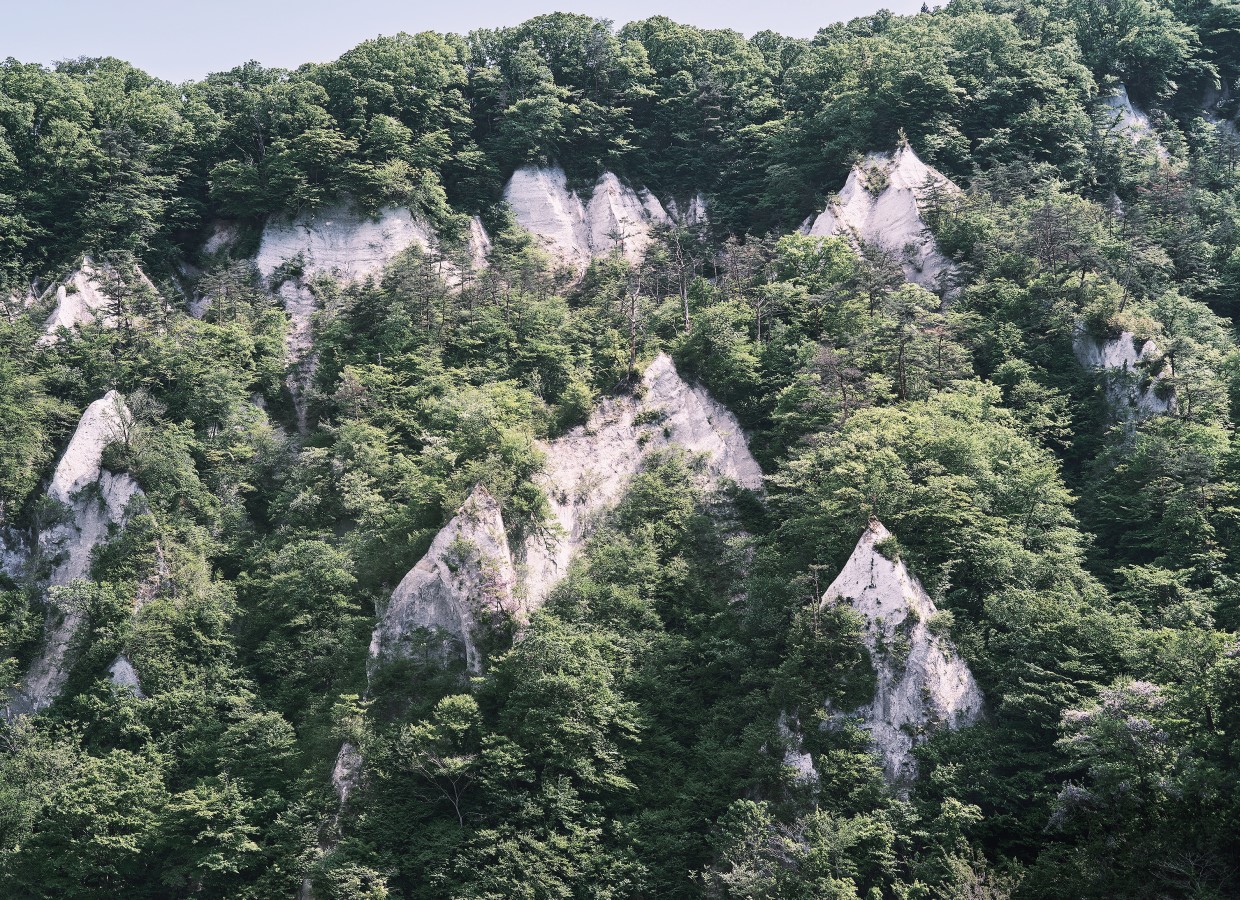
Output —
(585, 461)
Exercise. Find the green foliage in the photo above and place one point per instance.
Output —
(628, 738)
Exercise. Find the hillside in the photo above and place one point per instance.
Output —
(591, 461)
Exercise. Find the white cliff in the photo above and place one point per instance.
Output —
(572, 232)
(344, 244)
(81, 300)
(922, 683)
(588, 469)
(465, 581)
(1132, 373)
(1131, 120)
(881, 204)
(96, 501)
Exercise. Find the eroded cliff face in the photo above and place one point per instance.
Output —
(881, 204)
(346, 245)
(588, 469)
(1131, 120)
(95, 500)
(1132, 370)
(922, 683)
(573, 232)
(81, 300)
(466, 581)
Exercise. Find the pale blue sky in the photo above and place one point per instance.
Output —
(179, 40)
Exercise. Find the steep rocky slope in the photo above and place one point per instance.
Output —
(82, 300)
(881, 204)
(574, 232)
(464, 583)
(465, 580)
(588, 469)
(1131, 120)
(922, 683)
(95, 501)
(1132, 373)
(347, 245)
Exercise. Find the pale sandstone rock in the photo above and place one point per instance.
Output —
(928, 689)
(1130, 385)
(466, 574)
(588, 469)
(881, 204)
(572, 232)
(1131, 120)
(97, 501)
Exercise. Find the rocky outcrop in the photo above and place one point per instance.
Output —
(82, 300)
(1131, 120)
(465, 581)
(123, 675)
(572, 232)
(588, 469)
(95, 501)
(694, 213)
(881, 204)
(1132, 371)
(922, 683)
(347, 245)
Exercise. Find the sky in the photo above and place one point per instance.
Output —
(183, 39)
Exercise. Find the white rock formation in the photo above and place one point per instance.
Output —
(465, 578)
(1131, 120)
(799, 762)
(694, 213)
(466, 575)
(479, 244)
(572, 232)
(97, 500)
(588, 469)
(337, 241)
(346, 772)
(923, 684)
(80, 300)
(344, 244)
(124, 676)
(881, 204)
(1131, 384)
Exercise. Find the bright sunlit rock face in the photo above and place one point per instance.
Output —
(922, 683)
(1131, 120)
(589, 468)
(465, 580)
(82, 300)
(881, 204)
(95, 501)
(1132, 371)
(573, 232)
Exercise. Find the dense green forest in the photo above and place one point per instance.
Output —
(628, 737)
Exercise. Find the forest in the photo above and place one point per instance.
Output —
(476, 467)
